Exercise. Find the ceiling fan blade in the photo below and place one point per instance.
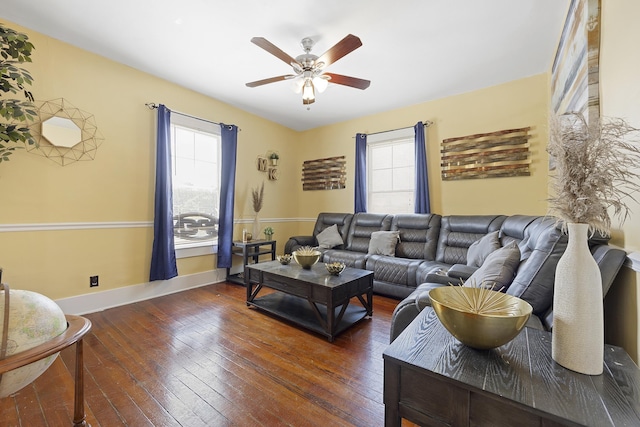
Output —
(348, 81)
(270, 80)
(273, 49)
(343, 47)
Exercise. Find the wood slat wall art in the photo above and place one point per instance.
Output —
(324, 174)
(487, 155)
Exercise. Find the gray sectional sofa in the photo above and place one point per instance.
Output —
(431, 250)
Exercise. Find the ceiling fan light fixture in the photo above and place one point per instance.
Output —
(308, 92)
(321, 83)
(308, 68)
(297, 84)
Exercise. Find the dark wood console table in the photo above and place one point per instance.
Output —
(431, 379)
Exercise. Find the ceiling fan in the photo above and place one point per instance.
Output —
(309, 68)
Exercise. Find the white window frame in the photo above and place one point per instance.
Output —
(386, 138)
(192, 249)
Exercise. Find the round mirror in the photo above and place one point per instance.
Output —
(61, 132)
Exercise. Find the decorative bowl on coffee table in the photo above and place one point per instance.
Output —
(478, 317)
(306, 257)
(284, 259)
(335, 268)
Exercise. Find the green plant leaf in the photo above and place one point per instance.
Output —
(15, 49)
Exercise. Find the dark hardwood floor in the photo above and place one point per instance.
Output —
(203, 358)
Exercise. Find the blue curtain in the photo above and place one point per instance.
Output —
(163, 255)
(227, 193)
(422, 181)
(361, 173)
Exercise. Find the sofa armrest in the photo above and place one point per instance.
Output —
(454, 275)
(610, 260)
(461, 271)
(422, 298)
(296, 242)
(439, 276)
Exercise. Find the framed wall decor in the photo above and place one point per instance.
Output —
(261, 163)
(575, 73)
(487, 155)
(324, 174)
(272, 174)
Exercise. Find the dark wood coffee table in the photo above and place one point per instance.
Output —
(313, 299)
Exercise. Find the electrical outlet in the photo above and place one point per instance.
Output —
(93, 281)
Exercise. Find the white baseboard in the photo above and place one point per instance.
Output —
(98, 301)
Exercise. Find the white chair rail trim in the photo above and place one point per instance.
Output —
(57, 226)
(633, 261)
(60, 226)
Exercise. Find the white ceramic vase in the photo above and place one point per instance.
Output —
(257, 232)
(578, 314)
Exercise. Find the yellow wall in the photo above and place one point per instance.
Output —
(620, 97)
(511, 105)
(118, 185)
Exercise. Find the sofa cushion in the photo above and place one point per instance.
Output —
(349, 258)
(383, 243)
(498, 270)
(325, 219)
(362, 225)
(418, 235)
(458, 232)
(329, 237)
(480, 249)
(545, 244)
(399, 271)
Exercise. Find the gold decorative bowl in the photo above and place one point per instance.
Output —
(306, 259)
(335, 268)
(479, 317)
(284, 259)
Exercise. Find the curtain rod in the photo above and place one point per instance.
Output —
(153, 106)
(426, 124)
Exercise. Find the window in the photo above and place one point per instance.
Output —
(391, 172)
(195, 167)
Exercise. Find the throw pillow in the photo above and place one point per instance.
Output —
(329, 237)
(498, 270)
(383, 243)
(480, 249)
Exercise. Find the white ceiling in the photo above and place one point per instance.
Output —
(413, 50)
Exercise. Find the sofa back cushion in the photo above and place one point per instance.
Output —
(327, 219)
(498, 269)
(418, 235)
(458, 232)
(514, 229)
(541, 247)
(362, 225)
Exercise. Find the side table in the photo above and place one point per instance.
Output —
(250, 251)
(430, 378)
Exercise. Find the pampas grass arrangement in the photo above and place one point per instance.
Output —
(257, 197)
(597, 168)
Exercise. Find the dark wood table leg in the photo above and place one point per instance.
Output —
(78, 400)
(392, 395)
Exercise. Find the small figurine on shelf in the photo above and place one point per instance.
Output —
(268, 233)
